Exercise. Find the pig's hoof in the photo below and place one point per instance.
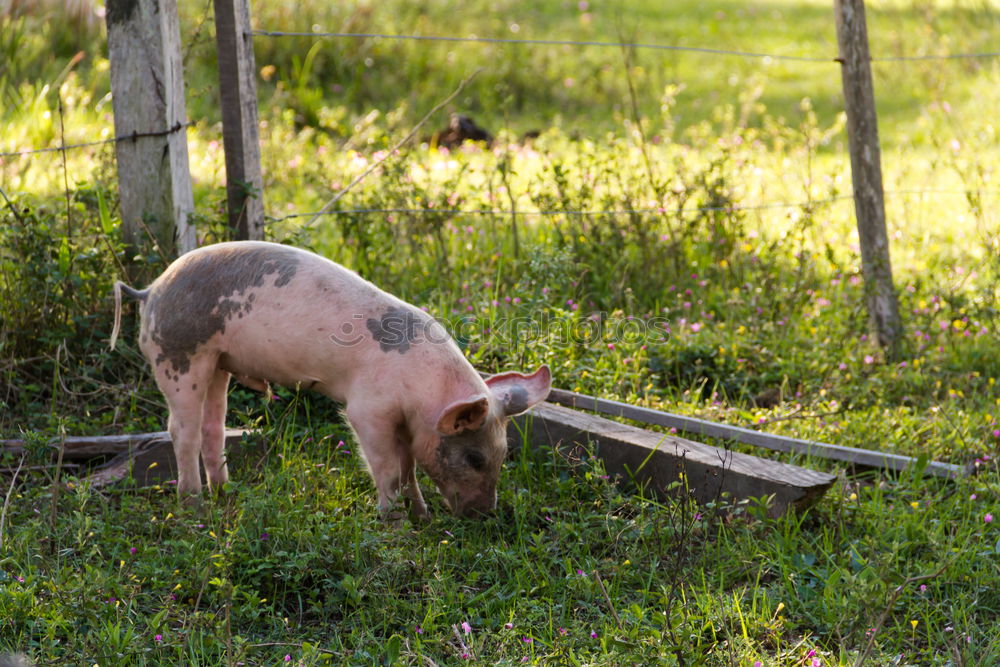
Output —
(191, 501)
(220, 490)
(394, 518)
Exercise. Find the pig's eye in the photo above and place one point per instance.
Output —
(475, 460)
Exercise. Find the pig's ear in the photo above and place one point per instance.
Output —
(518, 392)
(467, 415)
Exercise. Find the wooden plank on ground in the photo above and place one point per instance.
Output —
(656, 459)
(150, 461)
(82, 447)
(701, 427)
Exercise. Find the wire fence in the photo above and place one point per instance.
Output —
(549, 42)
(767, 57)
(557, 212)
(619, 45)
(545, 42)
(177, 127)
(802, 205)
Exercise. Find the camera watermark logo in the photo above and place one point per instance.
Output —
(398, 329)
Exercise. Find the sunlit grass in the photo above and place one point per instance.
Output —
(746, 249)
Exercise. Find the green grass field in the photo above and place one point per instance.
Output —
(727, 216)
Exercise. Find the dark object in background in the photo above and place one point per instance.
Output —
(461, 129)
(768, 398)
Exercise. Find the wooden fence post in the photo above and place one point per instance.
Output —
(866, 173)
(147, 85)
(240, 133)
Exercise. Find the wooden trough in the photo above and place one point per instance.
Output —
(851, 455)
(656, 460)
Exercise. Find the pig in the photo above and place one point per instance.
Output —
(269, 313)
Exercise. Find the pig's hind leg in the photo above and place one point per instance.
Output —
(185, 394)
(213, 430)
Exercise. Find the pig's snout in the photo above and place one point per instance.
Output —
(478, 506)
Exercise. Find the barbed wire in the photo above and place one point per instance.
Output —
(630, 45)
(127, 137)
(944, 191)
(596, 213)
(544, 42)
(555, 212)
(943, 56)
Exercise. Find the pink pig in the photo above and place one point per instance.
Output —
(265, 312)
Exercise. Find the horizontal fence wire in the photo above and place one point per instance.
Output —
(589, 43)
(555, 212)
(113, 140)
(597, 213)
(944, 191)
(628, 45)
(942, 56)
(547, 42)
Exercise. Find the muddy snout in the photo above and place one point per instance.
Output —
(474, 506)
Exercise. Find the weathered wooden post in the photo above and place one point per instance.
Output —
(147, 85)
(240, 133)
(866, 173)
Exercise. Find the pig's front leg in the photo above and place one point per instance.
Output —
(389, 462)
(411, 490)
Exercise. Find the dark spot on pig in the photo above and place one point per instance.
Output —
(194, 387)
(453, 450)
(196, 296)
(466, 457)
(396, 329)
(515, 400)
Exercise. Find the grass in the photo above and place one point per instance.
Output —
(756, 298)
(293, 561)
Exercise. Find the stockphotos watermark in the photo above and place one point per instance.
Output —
(399, 328)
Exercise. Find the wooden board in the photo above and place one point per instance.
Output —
(657, 460)
(852, 455)
(82, 447)
(150, 461)
(150, 456)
